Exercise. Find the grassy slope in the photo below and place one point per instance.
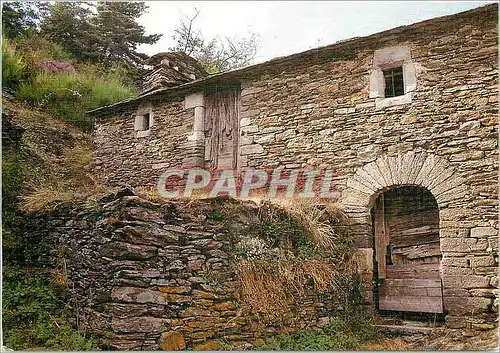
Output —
(50, 156)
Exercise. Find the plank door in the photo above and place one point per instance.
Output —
(407, 252)
(221, 129)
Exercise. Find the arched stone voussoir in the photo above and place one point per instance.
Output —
(409, 169)
(428, 164)
(354, 184)
(355, 199)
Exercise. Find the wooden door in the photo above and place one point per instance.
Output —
(221, 129)
(407, 252)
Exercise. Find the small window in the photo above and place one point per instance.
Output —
(142, 122)
(146, 121)
(394, 85)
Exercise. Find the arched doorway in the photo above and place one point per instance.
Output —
(407, 251)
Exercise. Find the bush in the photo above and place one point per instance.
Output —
(71, 95)
(13, 65)
(36, 313)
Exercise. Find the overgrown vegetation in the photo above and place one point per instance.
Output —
(13, 65)
(38, 314)
(337, 335)
(296, 251)
(70, 95)
(42, 67)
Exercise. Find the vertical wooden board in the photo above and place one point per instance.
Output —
(381, 238)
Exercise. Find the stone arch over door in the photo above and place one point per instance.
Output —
(410, 169)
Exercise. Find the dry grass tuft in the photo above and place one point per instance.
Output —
(264, 293)
(49, 197)
(272, 288)
(314, 220)
(70, 181)
(322, 273)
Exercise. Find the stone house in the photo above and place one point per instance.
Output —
(407, 118)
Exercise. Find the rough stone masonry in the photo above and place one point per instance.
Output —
(148, 276)
(327, 107)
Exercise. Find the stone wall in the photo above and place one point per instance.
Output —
(322, 115)
(149, 276)
(171, 69)
(121, 158)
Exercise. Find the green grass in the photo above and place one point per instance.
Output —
(13, 65)
(37, 314)
(337, 335)
(70, 95)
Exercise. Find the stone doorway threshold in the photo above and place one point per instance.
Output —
(409, 323)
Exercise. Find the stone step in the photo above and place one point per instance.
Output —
(405, 329)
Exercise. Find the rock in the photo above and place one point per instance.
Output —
(210, 345)
(482, 261)
(480, 232)
(244, 122)
(469, 125)
(139, 324)
(145, 235)
(323, 321)
(126, 251)
(467, 305)
(137, 295)
(251, 149)
(483, 327)
(193, 311)
(172, 341)
(225, 306)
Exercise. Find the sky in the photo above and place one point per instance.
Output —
(287, 27)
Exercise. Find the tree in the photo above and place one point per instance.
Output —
(107, 33)
(21, 17)
(68, 24)
(120, 34)
(216, 55)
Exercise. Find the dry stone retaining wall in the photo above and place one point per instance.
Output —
(158, 276)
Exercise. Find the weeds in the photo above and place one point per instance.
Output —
(337, 335)
(36, 313)
(13, 65)
(68, 183)
(295, 251)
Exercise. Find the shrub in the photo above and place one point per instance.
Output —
(36, 313)
(13, 65)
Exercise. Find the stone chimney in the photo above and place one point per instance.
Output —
(171, 69)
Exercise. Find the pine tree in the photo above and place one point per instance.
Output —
(120, 34)
(21, 17)
(68, 24)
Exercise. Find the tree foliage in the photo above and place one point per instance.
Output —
(68, 24)
(218, 54)
(107, 33)
(119, 32)
(21, 17)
